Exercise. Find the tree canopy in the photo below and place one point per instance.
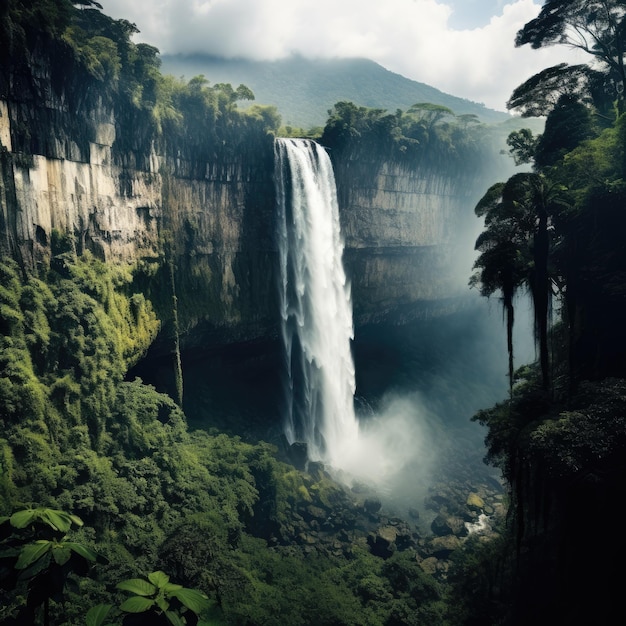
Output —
(538, 95)
(596, 27)
(553, 232)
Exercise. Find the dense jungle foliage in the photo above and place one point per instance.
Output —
(103, 484)
(150, 494)
(555, 233)
(428, 132)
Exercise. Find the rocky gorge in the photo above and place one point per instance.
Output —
(196, 220)
(142, 372)
(81, 168)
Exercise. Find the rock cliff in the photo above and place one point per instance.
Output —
(84, 170)
(409, 234)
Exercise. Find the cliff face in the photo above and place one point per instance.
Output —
(72, 163)
(59, 170)
(42, 193)
(409, 236)
(221, 228)
(216, 229)
(403, 229)
(83, 171)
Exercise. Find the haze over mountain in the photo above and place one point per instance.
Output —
(305, 89)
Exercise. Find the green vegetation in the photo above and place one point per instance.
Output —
(426, 137)
(425, 133)
(515, 250)
(304, 89)
(208, 511)
(553, 232)
(155, 600)
(94, 62)
(38, 559)
(103, 481)
(155, 497)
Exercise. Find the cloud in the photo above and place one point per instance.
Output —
(481, 64)
(411, 37)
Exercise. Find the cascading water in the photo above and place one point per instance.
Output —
(397, 449)
(315, 303)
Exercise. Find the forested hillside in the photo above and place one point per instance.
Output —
(303, 90)
(114, 510)
(554, 233)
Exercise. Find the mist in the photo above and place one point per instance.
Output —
(418, 386)
(396, 454)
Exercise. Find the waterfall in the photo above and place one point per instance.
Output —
(315, 303)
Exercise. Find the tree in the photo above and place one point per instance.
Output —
(515, 251)
(500, 264)
(267, 114)
(542, 199)
(87, 3)
(568, 124)
(538, 95)
(522, 145)
(230, 96)
(430, 114)
(595, 26)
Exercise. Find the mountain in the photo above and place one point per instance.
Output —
(304, 90)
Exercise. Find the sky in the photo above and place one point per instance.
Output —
(462, 47)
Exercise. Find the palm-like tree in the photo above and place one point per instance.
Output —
(515, 251)
(500, 266)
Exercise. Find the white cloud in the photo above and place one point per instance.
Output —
(411, 37)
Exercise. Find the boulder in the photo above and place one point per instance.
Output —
(475, 502)
(382, 543)
(372, 505)
(312, 512)
(298, 454)
(429, 565)
(442, 547)
(444, 525)
(317, 470)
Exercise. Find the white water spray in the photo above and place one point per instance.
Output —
(315, 304)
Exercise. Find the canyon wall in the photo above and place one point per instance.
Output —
(409, 231)
(409, 234)
(200, 230)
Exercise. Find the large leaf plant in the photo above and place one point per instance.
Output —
(37, 557)
(155, 601)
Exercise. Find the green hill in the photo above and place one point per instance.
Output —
(304, 90)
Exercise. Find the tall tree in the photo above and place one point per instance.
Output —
(515, 251)
(567, 125)
(544, 200)
(596, 27)
(500, 266)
